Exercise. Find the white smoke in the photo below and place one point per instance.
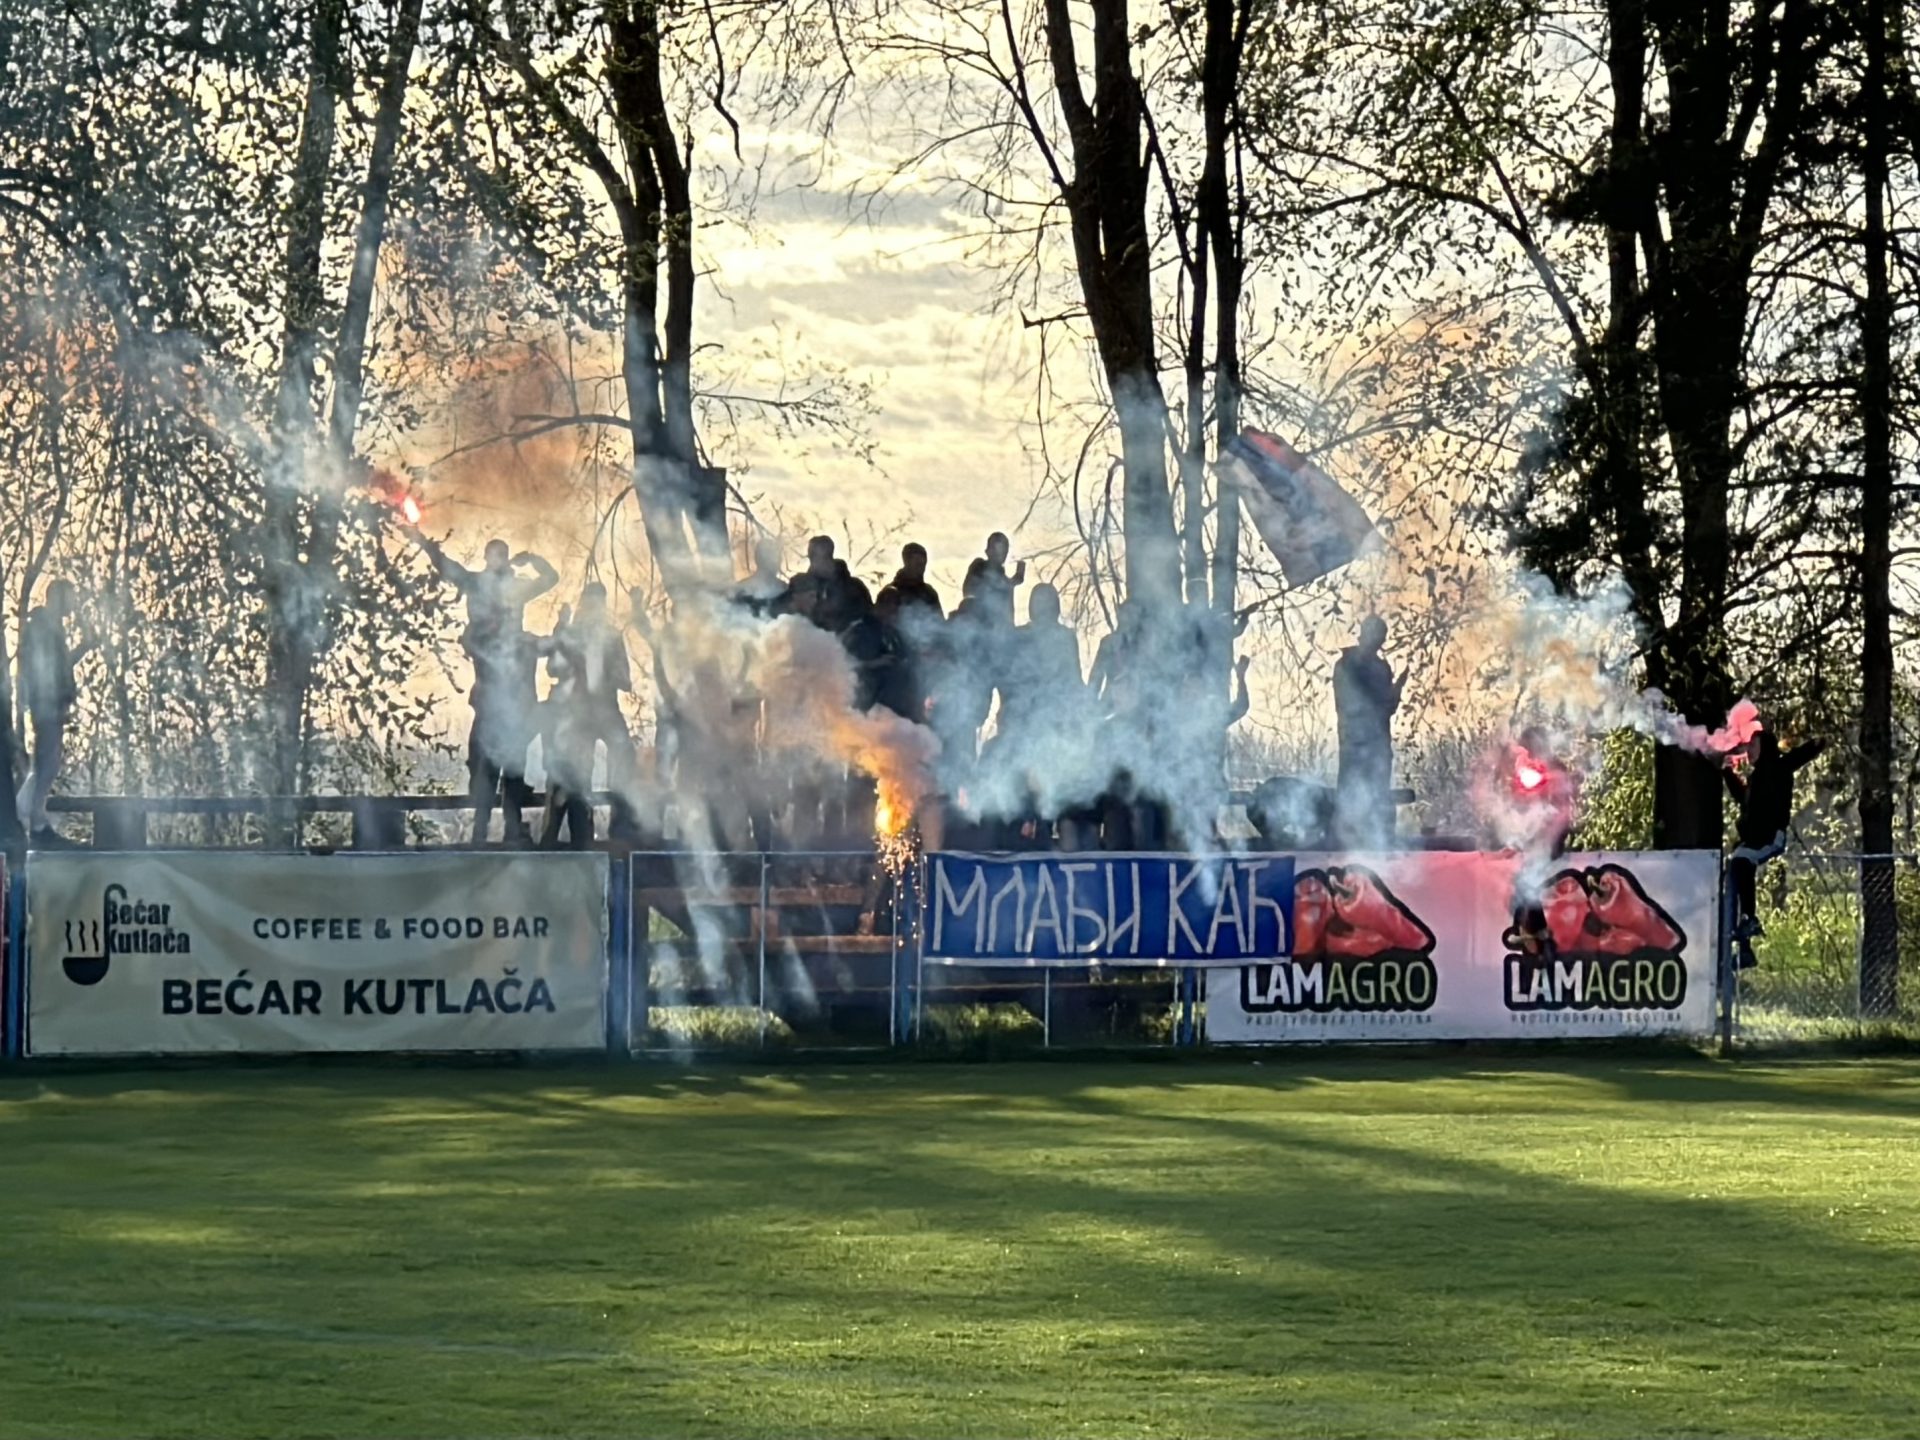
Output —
(1569, 660)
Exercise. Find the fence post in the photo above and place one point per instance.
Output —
(619, 956)
(919, 940)
(760, 989)
(1729, 973)
(905, 997)
(13, 1020)
(1878, 971)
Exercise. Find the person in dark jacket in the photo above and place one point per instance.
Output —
(1765, 797)
(908, 592)
(47, 661)
(593, 655)
(910, 610)
(1544, 797)
(505, 660)
(1365, 695)
(762, 590)
(993, 585)
(826, 592)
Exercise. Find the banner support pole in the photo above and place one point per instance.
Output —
(620, 956)
(918, 870)
(1729, 972)
(13, 1042)
(760, 990)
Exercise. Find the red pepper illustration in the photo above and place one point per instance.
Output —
(1349, 942)
(1569, 913)
(1361, 901)
(1615, 941)
(1620, 905)
(1312, 908)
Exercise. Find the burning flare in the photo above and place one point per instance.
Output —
(392, 490)
(1743, 723)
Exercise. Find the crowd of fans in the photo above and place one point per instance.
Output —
(1060, 764)
(1129, 755)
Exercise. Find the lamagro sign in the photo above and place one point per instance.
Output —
(1408, 946)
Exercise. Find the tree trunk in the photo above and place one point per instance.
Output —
(349, 362)
(1880, 940)
(1193, 451)
(12, 833)
(659, 380)
(1222, 213)
(1699, 305)
(291, 613)
(1687, 805)
(1107, 211)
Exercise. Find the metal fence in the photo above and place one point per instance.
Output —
(760, 952)
(815, 950)
(1815, 979)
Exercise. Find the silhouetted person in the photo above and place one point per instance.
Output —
(1543, 791)
(1044, 672)
(908, 592)
(1365, 696)
(595, 653)
(1115, 679)
(962, 670)
(762, 590)
(47, 661)
(881, 672)
(995, 585)
(567, 743)
(1765, 796)
(1541, 781)
(1043, 752)
(826, 592)
(911, 608)
(504, 661)
(1143, 696)
(12, 832)
(1292, 814)
(1042, 695)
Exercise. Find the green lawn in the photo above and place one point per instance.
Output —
(1454, 1245)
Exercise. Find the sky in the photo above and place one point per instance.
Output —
(851, 261)
(886, 299)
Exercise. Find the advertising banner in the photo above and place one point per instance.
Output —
(198, 952)
(1443, 946)
(1053, 909)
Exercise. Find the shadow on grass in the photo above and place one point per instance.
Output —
(1320, 1245)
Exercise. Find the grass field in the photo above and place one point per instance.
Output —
(1454, 1245)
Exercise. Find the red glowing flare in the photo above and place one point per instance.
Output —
(1743, 723)
(392, 490)
(1530, 776)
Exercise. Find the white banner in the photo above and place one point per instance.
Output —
(188, 953)
(1431, 946)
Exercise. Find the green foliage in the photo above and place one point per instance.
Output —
(1617, 804)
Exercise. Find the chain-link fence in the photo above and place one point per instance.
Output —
(1839, 956)
(815, 950)
(750, 952)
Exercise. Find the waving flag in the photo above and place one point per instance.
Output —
(1311, 525)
